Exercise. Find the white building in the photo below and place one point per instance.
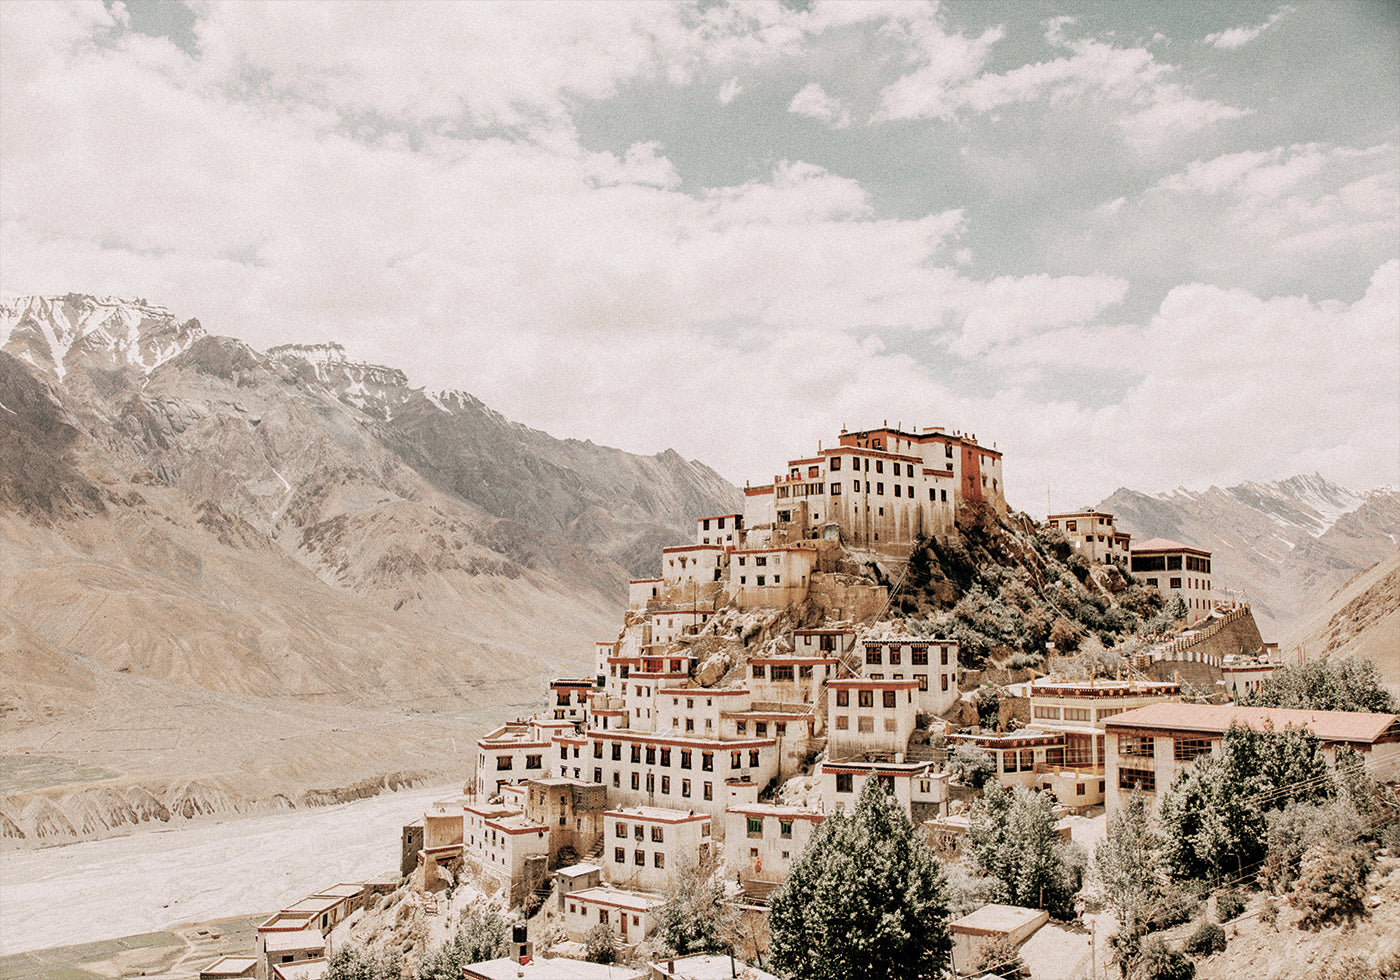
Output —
(918, 787)
(1173, 567)
(867, 714)
(763, 840)
(1092, 534)
(511, 754)
(931, 663)
(632, 915)
(645, 847)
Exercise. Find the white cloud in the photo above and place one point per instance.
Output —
(729, 90)
(1238, 37)
(813, 102)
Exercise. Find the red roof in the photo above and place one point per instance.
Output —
(1162, 544)
(1330, 726)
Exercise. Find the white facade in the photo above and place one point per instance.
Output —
(511, 754)
(500, 840)
(763, 840)
(932, 664)
(917, 786)
(1176, 568)
(725, 530)
(770, 576)
(646, 847)
(1092, 534)
(632, 915)
(868, 715)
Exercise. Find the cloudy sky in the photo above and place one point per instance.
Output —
(1133, 244)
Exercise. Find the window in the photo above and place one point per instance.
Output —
(1186, 749)
(873, 655)
(597, 775)
(636, 753)
(617, 751)
(836, 489)
(658, 860)
(1135, 745)
(685, 758)
(1146, 779)
(656, 835)
(761, 561)
(503, 762)
(844, 782)
(666, 757)
(923, 681)
(889, 699)
(894, 655)
(785, 828)
(602, 915)
(761, 580)
(753, 758)
(707, 761)
(879, 489)
(865, 725)
(639, 858)
(896, 490)
(636, 781)
(760, 728)
(945, 682)
(842, 722)
(685, 788)
(666, 784)
(755, 827)
(620, 855)
(1079, 789)
(783, 673)
(835, 462)
(843, 698)
(709, 793)
(621, 829)
(919, 656)
(617, 780)
(865, 699)
(741, 727)
(735, 760)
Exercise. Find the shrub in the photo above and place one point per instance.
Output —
(1207, 939)
(1177, 902)
(1079, 565)
(1331, 886)
(1268, 912)
(599, 944)
(1160, 962)
(1228, 905)
(1001, 957)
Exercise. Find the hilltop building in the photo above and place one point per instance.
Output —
(1173, 567)
(1093, 535)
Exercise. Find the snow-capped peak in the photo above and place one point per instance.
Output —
(53, 332)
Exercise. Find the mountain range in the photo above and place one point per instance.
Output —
(1287, 546)
(207, 537)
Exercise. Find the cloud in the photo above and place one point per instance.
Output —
(729, 90)
(1238, 37)
(811, 101)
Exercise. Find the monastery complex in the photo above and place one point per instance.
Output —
(670, 755)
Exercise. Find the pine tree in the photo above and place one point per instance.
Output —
(1013, 840)
(866, 899)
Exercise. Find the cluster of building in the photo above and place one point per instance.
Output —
(1169, 566)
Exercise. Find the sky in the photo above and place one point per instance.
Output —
(1131, 244)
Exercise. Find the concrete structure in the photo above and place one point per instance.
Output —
(724, 530)
(990, 923)
(645, 847)
(706, 966)
(791, 679)
(568, 697)
(574, 878)
(762, 840)
(632, 915)
(776, 577)
(931, 663)
(831, 642)
(506, 847)
(1093, 535)
(1149, 746)
(572, 809)
(870, 715)
(230, 968)
(1177, 568)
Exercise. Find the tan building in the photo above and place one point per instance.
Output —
(571, 808)
(1093, 535)
(918, 787)
(1148, 747)
(507, 847)
(725, 530)
(511, 754)
(771, 577)
(1176, 568)
(645, 847)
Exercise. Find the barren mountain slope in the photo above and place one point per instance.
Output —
(1286, 545)
(1361, 619)
(185, 521)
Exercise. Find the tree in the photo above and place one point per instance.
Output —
(1213, 817)
(1299, 827)
(1001, 957)
(696, 917)
(1159, 961)
(1350, 684)
(1126, 862)
(865, 899)
(353, 962)
(971, 765)
(1013, 839)
(482, 934)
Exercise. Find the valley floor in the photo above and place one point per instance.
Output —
(148, 882)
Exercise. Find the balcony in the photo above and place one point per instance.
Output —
(1043, 767)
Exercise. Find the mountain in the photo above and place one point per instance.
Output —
(188, 521)
(1360, 619)
(1287, 545)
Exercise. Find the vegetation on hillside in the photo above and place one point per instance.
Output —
(1350, 684)
(1008, 587)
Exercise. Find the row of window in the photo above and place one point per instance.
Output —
(760, 728)
(755, 827)
(707, 789)
(864, 724)
(506, 762)
(918, 655)
(640, 860)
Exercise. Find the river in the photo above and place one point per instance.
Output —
(151, 880)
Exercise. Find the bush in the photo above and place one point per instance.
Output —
(1160, 962)
(1228, 905)
(1207, 939)
(1177, 902)
(599, 944)
(1079, 565)
(1001, 957)
(1268, 912)
(1331, 885)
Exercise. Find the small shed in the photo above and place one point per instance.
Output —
(577, 877)
(989, 923)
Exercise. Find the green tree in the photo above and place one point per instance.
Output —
(971, 765)
(865, 899)
(697, 918)
(1125, 863)
(1331, 885)
(600, 944)
(1158, 961)
(1012, 836)
(1213, 817)
(353, 962)
(1350, 684)
(482, 934)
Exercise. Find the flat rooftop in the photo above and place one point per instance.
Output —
(574, 870)
(637, 901)
(996, 919)
(229, 966)
(706, 966)
(305, 970)
(556, 968)
(295, 942)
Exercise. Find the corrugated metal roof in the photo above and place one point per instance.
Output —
(1330, 726)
